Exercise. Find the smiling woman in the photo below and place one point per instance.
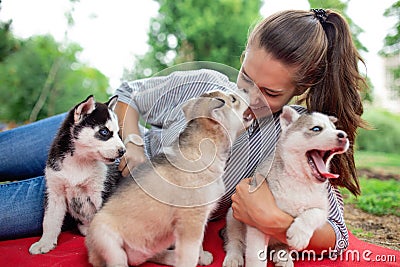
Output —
(274, 79)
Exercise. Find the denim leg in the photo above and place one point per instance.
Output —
(23, 150)
(21, 208)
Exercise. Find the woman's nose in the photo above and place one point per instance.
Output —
(257, 99)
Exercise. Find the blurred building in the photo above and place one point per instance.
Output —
(389, 96)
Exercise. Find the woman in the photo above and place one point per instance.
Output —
(322, 62)
(291, 53)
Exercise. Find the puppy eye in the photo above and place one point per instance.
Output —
(233, 99)
(104, 132)
(316, 129)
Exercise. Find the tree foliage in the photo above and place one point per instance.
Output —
(43, 78)
(392, 40)
(8, 44)
(196, 30)
(200, 30)
(391, 48)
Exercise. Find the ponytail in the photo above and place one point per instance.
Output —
(337, 93)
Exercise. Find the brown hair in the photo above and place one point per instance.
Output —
(322, 50)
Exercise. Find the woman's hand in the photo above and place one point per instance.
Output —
(258, 209)
(128, 119)
(133, 156)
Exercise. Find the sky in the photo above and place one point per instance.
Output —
(112, 33)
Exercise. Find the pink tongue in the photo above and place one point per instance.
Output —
(249, 114)
(319, 162)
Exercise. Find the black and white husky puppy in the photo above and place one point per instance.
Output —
(76, 168)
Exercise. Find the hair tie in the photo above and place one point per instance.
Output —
(320, 14)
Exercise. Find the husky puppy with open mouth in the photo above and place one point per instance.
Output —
(168, 199)
(76, 168)
(297, 177)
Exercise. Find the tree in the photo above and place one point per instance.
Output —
(41, 77)
(8, 44)
(391, 47)
(196, 30)
(44, 78)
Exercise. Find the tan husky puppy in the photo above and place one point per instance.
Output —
(169, 198)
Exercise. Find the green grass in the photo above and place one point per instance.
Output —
(379, 161)
(385, 132)
(378, 197)
(362, 233)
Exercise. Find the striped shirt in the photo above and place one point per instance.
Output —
(158, 100)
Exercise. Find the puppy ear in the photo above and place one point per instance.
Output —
(333, 119)
(84, 108)
(288, 116)
(112, 102)
(216, 106)
(188, 107)
(203, 107)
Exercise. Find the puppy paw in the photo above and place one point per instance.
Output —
(83, 229)
(282, 258)
(288, 263)
(298, 237)
(206, 258)
(41, 247)
(233, 260)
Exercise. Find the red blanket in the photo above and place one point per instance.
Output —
(71, 251)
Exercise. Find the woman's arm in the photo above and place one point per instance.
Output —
(259, 209)
(128, 119)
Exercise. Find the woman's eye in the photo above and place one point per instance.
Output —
(245, 78)
(270, 93)
(316, 129)
(104, 132)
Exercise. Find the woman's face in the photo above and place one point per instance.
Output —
(273, 80)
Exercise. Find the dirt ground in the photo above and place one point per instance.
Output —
(380, 230)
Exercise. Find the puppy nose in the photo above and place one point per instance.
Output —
(121, 151)
(341, 135)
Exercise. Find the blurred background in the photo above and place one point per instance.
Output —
(53, 53)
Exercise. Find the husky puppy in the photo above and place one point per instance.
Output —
(297, 177)
(168, 199)
(76, 168)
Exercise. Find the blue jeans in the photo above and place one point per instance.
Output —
(23, 155)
